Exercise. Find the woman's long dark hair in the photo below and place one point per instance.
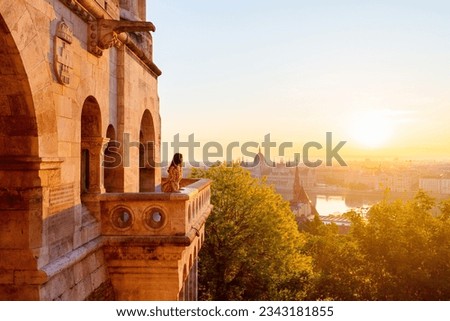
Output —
(177, 160)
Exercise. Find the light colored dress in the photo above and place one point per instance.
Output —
(172, 184)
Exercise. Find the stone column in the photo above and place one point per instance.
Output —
(96, 147)
(24, 203)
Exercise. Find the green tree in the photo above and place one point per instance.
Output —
(338, 263)
(253, 247)
(444, 206)
(401, 252)
(407, 250)
(339, 269)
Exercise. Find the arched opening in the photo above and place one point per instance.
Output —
(91, 148)
(85, 181)
(183, 294)
(111, 162)
(21, 193)
(18, 127)
(147, 154)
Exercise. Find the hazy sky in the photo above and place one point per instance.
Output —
(374, 73)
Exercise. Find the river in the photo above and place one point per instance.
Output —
(338, 204)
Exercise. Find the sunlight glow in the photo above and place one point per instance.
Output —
(372, 129)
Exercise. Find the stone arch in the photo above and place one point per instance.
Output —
(31, 63)
(147, 140)
(112, 160)
(185, 272)
(18, 125)
(21, 195)
(111, 132)
(92, 144)
(182, 295)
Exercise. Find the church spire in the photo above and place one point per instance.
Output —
(300, 195)
(299, 192)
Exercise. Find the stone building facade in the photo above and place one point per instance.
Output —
(81, 212)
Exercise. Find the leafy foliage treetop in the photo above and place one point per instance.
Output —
(401, 252)
(253, 246)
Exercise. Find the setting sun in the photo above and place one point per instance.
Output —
(371, 129)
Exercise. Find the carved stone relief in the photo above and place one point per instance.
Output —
(62, 58)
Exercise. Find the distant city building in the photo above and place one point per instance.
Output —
(440, 185)
(281, 175)
(397, 181)
(343, 224)
(288, 180)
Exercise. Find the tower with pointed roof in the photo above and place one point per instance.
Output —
(301, 203)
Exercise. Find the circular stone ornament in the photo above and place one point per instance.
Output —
(155, 218)
(122, 218)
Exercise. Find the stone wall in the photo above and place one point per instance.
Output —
(79, 84)
(105, 292)
(50, 240)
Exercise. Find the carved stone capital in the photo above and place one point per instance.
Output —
(103, 33)
(95, 145)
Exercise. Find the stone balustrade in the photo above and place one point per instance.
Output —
(154, 235)
(178, 216)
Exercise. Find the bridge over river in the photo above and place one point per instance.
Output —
(335, 200)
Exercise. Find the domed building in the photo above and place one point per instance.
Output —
(283, 177)
(260, 166)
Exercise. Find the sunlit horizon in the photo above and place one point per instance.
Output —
(376, 75)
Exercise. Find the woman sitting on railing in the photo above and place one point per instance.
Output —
(172, 184)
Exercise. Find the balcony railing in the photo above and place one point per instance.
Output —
(164, 217)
